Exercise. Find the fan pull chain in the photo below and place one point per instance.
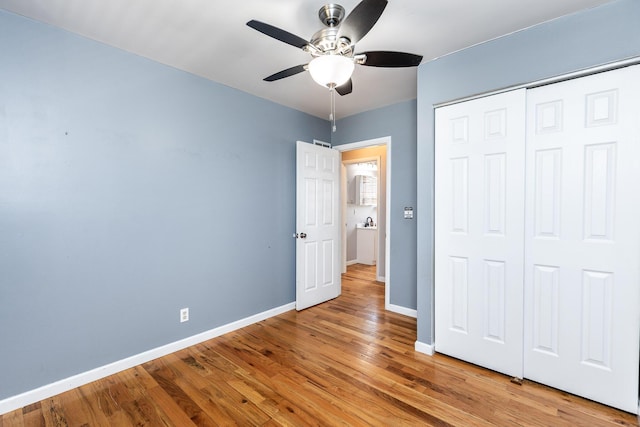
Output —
(332, 115)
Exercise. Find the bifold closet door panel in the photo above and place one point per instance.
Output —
(582, 244)
(479, 221)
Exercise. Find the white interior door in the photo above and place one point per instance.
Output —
(479, 221)
(318, 243)
(582, 265)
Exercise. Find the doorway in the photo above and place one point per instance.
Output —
(361, 216)
(370, 151)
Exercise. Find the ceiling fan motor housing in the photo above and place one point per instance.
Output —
(326, 40)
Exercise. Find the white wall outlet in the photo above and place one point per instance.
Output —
(184, 314)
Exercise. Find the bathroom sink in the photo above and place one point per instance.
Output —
(371, 227)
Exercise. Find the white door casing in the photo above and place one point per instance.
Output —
(479, 218)
(318, 242)
(582, 256)
(384, 232)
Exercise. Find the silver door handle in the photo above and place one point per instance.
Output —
(302, 235)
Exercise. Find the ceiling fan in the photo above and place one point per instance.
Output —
(333, 47)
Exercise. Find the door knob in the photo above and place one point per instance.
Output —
(303, 235)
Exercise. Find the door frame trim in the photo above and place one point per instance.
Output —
(385, 140)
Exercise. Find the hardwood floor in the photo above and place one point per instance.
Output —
(344, 362)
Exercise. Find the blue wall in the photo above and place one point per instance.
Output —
(399, 122)
(129, 190)
(597, 36)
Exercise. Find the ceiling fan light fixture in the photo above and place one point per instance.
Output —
(331, 70)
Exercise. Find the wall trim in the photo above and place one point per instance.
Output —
(32, 396)
(381, 279)
(428, 349)
(353, 261)
(402, 310)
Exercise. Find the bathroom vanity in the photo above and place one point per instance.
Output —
(367, 244)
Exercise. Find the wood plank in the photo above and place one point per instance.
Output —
(54, 412)
(160, 370)
(13, 419)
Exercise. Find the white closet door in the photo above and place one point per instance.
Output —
(479, 219)
(582, 257)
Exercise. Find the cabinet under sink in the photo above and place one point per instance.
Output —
(366, 245)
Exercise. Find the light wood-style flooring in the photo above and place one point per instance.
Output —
(345, 362)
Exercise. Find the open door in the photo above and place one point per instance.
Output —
(318, 243)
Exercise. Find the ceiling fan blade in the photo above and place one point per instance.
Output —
(361, 19)
(286, 73)
(345, 88)
(278, 34)
(383, 58)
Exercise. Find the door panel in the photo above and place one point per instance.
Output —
(317, 225)
(582, 257)
(479, 215)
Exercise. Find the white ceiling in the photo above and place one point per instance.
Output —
(209, 38)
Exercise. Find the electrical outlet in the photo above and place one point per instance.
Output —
(184, 314)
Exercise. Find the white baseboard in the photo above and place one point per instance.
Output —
(402, 310)
(427, 349)
(381, 279)
(32, 396)
(353, 261)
